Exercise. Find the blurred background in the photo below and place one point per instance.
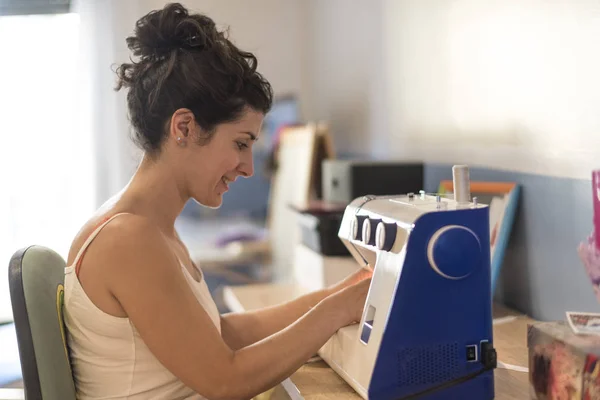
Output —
(510, 88)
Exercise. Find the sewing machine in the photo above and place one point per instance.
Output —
(426, 330)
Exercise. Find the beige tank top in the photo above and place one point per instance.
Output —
(108, 356)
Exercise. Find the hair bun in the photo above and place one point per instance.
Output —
(160, 32)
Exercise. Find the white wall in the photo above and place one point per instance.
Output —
(511, 84)
(347, 73)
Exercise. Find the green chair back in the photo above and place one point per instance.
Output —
(36, 279)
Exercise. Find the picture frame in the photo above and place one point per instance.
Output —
(502, 199)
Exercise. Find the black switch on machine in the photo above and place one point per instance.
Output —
(472, 353)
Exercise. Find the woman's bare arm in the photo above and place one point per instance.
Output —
(147, 281)
(240, 329)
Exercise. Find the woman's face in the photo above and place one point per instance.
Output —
(211, 168)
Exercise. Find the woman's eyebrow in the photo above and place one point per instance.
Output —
(252, 135)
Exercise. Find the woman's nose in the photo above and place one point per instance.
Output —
(246, 168)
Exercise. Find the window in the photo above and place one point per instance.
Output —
(46, 162)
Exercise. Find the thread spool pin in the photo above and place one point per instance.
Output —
(461, 183)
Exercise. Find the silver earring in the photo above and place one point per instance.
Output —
(180, 141)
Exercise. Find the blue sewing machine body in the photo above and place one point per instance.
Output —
(426, 331)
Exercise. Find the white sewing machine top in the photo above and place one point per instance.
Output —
(406, 209)
(384, 222)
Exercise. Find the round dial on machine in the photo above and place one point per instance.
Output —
(368, 232)
(356, 227)
(454, 252)
(385, 235)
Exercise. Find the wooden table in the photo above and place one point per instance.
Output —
(317, 381)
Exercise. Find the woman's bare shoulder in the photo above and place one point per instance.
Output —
(124, 227)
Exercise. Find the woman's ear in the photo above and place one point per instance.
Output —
(182, 123)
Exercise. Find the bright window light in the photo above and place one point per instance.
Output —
(45, 158)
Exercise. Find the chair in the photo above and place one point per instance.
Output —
(36, 278)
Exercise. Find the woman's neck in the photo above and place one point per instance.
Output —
(154, 192)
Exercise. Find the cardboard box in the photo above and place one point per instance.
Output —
(562, 365)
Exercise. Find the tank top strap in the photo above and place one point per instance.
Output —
(91, 237)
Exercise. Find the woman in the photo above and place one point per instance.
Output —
(140, 321)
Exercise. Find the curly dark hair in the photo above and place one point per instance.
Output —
(184, 61)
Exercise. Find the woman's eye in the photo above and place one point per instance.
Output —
(242, 145)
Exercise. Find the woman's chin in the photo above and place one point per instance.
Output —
(214, 205)
(213, 202)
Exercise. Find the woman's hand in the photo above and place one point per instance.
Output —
(349, 302)
(354, 278)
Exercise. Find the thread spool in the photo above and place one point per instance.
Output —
(462, 184)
